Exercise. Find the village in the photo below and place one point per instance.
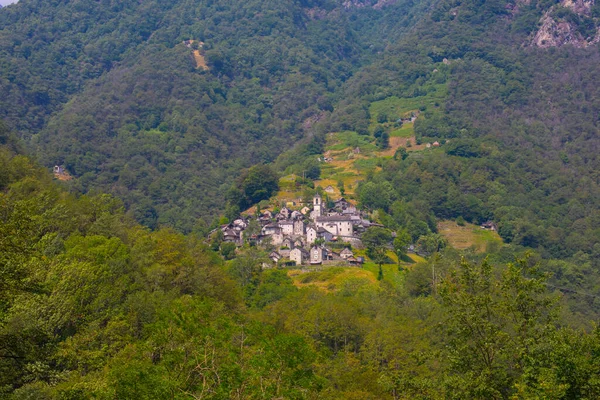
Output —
(309, 236)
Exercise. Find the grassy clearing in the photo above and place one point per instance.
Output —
(349, 140)
(332, 279)
(468, 236)
(200, 60)
(416, 258)
(406, 131)
(366, 165)
(391, 273)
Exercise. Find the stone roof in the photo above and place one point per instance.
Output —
(301, 250)
(334, 218)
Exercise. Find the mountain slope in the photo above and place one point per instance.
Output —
(119, 101)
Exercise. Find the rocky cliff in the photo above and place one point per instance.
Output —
(571, 22)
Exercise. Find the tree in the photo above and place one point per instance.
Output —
(401, 153)
(228, 250)
(246, 268)
(260, 183)
(497, 330)
(401, 242)
(383, 142)
(377, 240)
(340, 185)
(311, 169)
(431, 243)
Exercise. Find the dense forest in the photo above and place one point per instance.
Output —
(111, 92)
(172, 117)
(93, 305)
(109, 89)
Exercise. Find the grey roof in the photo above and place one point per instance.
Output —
(334, 218)
(301, 250)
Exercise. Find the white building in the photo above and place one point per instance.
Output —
(318, 206)
(287, 227)
(311, 234)
(337, 225)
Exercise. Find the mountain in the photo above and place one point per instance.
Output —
(187, 110)
(115, 94)
(165, 104)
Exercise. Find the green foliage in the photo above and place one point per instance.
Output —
(181, 135)
(431, 243)
(377, 240)
(506, 354)
(274, 285)
(376, 195)
(401, 242)
(95, 306)
(401, 153)
(259, 183)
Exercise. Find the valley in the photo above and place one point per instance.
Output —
(300, 199)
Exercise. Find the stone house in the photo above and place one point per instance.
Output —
(311, 234)
(277, 238)
(270, 229)
(317, 255)
(324, 234)
(299, 255)
(288, 242)
(285, 212)
(346, 254)
(275, 257)
(299, 242)
(299, 227)
(287, 227)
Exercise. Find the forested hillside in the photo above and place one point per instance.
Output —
(521, 124)
(172, 117)
(94, 306)
(110, 90)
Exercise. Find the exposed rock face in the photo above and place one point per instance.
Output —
(582, 7)
(555, 32)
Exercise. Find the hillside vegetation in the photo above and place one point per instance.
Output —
(110, 92)
(94, 306)
(111, 286)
